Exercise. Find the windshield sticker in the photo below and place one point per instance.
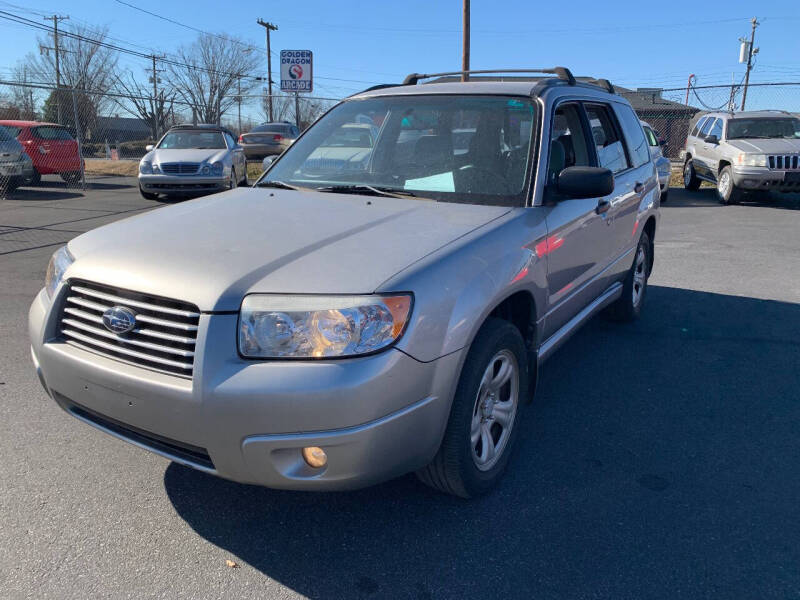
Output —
(443, 182)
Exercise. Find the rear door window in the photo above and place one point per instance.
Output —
(697, 126)
(46, 132)
(652, 140)
(607, 139)
(634, 135)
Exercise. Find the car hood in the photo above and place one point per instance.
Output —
(214, 250)
(192, 155)
(767, 146)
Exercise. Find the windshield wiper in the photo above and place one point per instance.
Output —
(371, 190)
(281, 185)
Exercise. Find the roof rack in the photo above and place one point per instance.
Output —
(563, 73)
(603, 83)
(380, 86)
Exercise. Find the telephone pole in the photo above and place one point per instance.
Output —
(155, 80)
(750, 51)
(55, 19)
(269, 27)
(465, 47)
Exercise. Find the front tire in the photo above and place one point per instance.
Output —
(727, 192)
(690, 180)
(483, 422)
(628, 307)
(665, 196)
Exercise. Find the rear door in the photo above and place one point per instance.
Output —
(636, 184)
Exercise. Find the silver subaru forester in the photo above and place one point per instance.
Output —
(351, 319)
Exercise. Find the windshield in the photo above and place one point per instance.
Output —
(763, 128)
(467, 149)
(185, 140)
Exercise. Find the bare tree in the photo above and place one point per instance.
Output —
(311, 108)
(25, 97)
(213, 67)
(138, 100)
(84, 64)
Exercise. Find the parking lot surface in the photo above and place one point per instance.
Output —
(658, 460)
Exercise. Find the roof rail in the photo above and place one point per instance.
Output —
(563, 73)
(605, 84)
(380, 86)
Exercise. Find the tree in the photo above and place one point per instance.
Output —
(87, 112)
(212, 69)
(283, 108)
(138, 100)
(24, 95)
(84, 64)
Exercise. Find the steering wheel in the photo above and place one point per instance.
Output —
(496, 182)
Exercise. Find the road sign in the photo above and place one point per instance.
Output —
(296, 71)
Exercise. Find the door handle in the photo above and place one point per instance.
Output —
(602, 206)
(639, 187)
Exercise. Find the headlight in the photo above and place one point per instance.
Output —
(59, 262)
(752, 160)
(205, 170)
(217, 168)
(146, 167)
(156, 170)
(272, 326)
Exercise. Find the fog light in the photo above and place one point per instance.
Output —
(315, 457)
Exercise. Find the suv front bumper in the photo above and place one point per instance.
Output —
(762, 178)
(376, 417)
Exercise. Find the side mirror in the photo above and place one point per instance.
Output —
(149, 147)
(712, 139)
(585, 182)
(268, 160)
(662, 142)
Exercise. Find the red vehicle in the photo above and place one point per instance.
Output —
(50, 146)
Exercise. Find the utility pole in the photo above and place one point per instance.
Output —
(155, 80)
(297, 109)
(465, 47)
(56, 19)
(269, 27)
(239, 100)
(750, 52)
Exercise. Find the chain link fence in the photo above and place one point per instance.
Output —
(106, 134)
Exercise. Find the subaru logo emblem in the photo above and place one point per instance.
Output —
(119, 319)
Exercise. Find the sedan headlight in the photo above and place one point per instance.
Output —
(146, 167)
(272, 326)
(752, 160)
(217, 168)
(59, 262)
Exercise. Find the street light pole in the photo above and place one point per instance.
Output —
(269, 27)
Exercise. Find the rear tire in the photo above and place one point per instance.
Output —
(665, 196)
(690, 180)
(147, 195)
(71, 177)
(727, 192)
(634, 289)
(484, 417)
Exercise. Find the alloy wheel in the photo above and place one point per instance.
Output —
(495, 410)
(639, 275)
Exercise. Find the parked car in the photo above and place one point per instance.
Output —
(662, 163)
(330, 331)
(16, 166)
(345, 148)
(268, 139)
(51, 147)
(192, 160)
(741, 152)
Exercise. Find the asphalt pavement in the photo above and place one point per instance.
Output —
(658, 460)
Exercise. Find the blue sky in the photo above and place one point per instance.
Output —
(356, 44)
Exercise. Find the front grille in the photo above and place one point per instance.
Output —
(180, 168)
(784, 162)
(163, 338)
(173, 448)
